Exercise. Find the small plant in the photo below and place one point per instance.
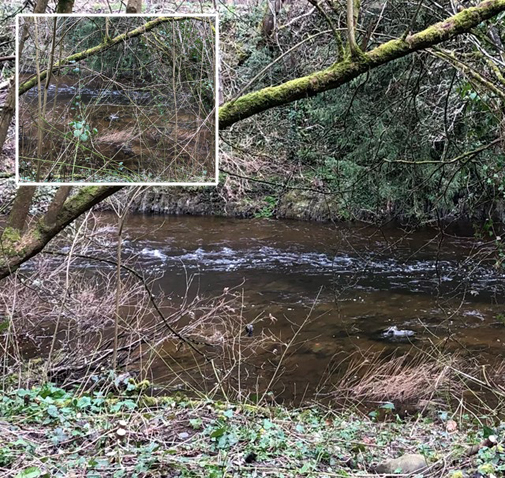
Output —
(82, 130)
(267, 211)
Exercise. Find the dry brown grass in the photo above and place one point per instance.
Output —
(122, 136)
(496, 377)
(406, 378)
(46, 294)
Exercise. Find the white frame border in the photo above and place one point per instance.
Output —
(216, 100)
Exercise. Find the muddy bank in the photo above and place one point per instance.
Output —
(260, 202)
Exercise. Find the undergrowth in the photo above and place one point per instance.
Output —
(47, 431)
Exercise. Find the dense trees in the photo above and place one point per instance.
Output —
(416, 138)
(125, 99)
(351, 66)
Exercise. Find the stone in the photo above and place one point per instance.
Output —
(410, 463)
(397, 333)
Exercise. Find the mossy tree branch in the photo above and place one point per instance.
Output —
(346, 70)
(16, 247)
(468, 71)
(32, 81)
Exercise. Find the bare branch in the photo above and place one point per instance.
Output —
(468, 154)
(352, 17)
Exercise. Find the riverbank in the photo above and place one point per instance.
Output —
(205, 201)
(49, 431)
(261, 200)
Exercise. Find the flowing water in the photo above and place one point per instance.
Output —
(97, 131)
(353, 280)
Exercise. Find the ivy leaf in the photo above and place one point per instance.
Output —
(84, 137)
(84, 402)
(267, 424)
(31, 472)
(77, 133)
(219, 432)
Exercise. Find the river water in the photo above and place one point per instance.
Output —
(354, 281)
(129, 133)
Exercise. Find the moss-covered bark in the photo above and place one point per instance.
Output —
(348, 69)
(16, 247)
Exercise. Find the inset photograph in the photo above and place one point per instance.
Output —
(117, 99)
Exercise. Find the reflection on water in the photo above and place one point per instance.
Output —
(357, 281)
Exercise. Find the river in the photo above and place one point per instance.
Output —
(353, 281)
(108, 131)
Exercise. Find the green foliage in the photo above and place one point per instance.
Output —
(491, 461)
(217, 436)
(82, 130)
(267, 211)
(370, 142)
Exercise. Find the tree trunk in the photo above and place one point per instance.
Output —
(134, 6)
(7, 112)
(41, 6)
(352, 21)
(56, 204)
(270, 19)
(17, 248)
(65, 6)
(8, 109)
(21, 208)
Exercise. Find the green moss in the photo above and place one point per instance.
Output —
(348, 69)
(292, 90)
(11, 235)
(11, 239)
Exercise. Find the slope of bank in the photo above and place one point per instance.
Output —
(210, 201)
